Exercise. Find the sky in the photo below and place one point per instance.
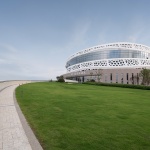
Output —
(38, 36)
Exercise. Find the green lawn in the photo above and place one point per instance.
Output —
(87, 117)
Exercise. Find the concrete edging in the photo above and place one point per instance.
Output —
(35, 145)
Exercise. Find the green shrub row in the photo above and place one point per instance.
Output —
(143, 87)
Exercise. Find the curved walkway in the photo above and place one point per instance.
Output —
(12, 133)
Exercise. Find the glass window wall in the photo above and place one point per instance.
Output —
(108, 54)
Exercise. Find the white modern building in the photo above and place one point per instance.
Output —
(118, 62)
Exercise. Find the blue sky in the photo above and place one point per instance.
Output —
(37, 37)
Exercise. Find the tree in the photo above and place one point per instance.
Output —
(99, 74)
(145, 75)
(91, 75)
(60, 79)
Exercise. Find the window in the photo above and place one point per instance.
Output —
(132, 78)
(111, 77)
(122, 78)
(103, 54)
(137, 78)
(127, 76)
(116, 77)
(105, 77)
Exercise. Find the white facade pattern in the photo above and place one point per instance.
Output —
(109, 56)
(110, 63)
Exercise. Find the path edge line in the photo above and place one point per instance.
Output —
(35, 145)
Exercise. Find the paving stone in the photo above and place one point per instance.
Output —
(12, 134)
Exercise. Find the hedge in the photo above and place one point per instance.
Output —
(143, 87)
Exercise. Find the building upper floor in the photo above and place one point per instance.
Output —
(110, 51)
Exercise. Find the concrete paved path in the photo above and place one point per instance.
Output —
(12, 134)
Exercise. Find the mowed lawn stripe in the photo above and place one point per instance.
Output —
(86, 117)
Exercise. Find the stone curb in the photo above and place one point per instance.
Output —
(35, 145)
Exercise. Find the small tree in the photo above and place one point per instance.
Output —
(92, 80)
(145, 75)
(99, 74)
(91, 75)
(60, 79)
(50, 80)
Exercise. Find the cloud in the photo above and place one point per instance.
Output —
(79, 35)
(8, 48)
(7, 53)
(2, 61)
(135, 35)
(13, 65)
(34, 69)
(137, 29)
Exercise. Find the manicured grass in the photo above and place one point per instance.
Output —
(87, 117)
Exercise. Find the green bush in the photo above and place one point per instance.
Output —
(92, 80)
(61, 80)
(120, 85)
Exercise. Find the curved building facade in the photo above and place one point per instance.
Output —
(113, 63)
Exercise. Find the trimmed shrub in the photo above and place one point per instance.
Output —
(120, 85)
(92, 80)
(60, 79)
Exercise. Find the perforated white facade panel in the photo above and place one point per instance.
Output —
(108, 56)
